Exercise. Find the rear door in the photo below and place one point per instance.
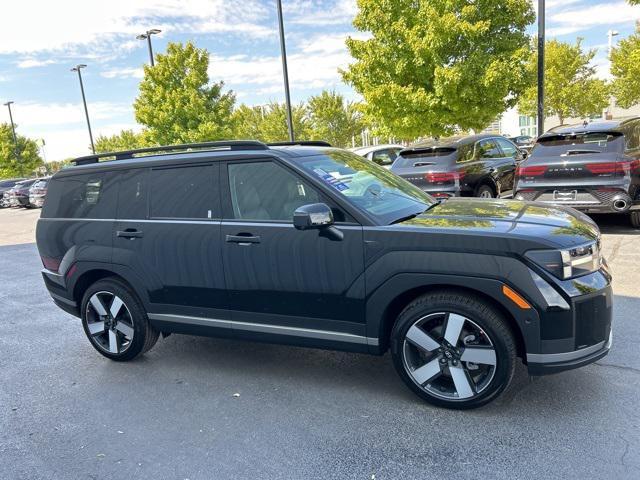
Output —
(297, 285)
(168, 232)
(506, 167)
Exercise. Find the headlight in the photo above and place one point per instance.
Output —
(570, 263)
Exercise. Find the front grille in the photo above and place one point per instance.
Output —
(593, 321)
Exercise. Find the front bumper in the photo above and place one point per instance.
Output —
(36, 200)
(546, 364)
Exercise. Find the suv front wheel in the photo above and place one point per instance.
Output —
(115, 321)
(453, 349)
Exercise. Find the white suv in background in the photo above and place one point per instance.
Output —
(383, 155)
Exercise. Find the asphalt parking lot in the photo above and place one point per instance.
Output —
(67, 412)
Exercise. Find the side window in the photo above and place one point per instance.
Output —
(633, 137)
(132, 194)
(182, 192)
(488, 149)
(267, 191)
(82, 196)
(508, 148)
(384, 157)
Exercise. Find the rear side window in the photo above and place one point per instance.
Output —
(182, 192)
(132, 194)
(82, 196)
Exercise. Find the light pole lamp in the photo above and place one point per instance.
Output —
(147, 36)
(78, 69)
(15, 137)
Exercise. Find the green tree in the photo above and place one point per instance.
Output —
(125, 140)
(29, 157)
(625, 68)
(178, 104)
(435, 64)
(571, 88)
(268, 123)
(333, 119)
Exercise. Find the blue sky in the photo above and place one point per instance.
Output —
(43, 39)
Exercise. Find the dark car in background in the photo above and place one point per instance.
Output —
(37, 192)
(592, 167)
(19, 194)
(5, 187)
(469, 166)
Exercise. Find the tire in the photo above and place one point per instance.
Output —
(418, 339)
(121, 337)
(485, 191)
(634, 217)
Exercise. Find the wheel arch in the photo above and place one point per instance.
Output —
(88, 274)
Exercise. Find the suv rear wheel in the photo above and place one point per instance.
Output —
(485, 191)
(453, 349)
(115, 322)
(635, 218)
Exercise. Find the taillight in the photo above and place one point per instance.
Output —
(442, 177)
(533, 171)
(51, 264)
(608, 168)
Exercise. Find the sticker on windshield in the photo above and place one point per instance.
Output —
(331, 179)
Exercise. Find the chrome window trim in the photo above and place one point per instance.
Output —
(267, 328)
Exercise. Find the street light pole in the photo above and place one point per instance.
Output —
(77, 68)
(15, 137)
(540, 126)
(285, 72)
(147, 36)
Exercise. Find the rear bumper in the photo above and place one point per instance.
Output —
(56, 286)
(588, 200)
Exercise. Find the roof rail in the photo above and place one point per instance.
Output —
(302, 143)
(128, 154)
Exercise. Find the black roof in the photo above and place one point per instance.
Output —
(453, 142)
(597, 126)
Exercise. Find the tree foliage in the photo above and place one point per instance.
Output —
(29, 157)
(268, 123)
(432, 65)
(125, 140)
(571, 88)
(625, 68)
(333, 119)
(178, 104)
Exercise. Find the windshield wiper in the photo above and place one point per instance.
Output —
(414, 215)
(578, 152)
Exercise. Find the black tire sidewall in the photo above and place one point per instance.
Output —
(492, 324)
(634, 218)
(138, 316)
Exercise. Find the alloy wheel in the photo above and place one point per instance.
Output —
(485, 194)
(109, 322)
(449, 356)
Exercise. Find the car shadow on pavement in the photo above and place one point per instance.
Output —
(615, 224)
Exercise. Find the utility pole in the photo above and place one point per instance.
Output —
(15, 137)
(77, 68)
(285, 73)
(147, 36)
(540, 126)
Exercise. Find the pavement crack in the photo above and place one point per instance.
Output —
(619, 367)
(626, 450)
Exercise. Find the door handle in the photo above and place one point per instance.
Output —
(129, 233)
(242, 239)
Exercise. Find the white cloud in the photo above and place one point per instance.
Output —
(33, 63)
(123, 73)
(69, 25)
(611, 13)
(309, 12)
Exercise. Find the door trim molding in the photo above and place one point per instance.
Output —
(266, 328)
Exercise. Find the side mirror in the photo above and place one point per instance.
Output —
(524, 152)
(314, 215)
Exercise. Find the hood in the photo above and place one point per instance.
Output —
(557, 227)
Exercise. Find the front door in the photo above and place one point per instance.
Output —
(299, 284)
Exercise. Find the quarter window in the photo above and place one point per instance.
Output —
(82, 196)
(182, 192)
(267, 191)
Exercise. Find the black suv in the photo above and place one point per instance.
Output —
(474, 165)
(315, 246)
(594, 167)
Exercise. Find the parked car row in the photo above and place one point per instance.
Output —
(19, 192)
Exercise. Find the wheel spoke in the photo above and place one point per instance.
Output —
(114, 343)
(97, 305)
(420, 339)
(427, 371)
(485, 356)
(461, 381)
(454, 328)
(116, 305)
(95, 328)
(125, 329)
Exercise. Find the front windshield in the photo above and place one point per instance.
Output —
(368, 186)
